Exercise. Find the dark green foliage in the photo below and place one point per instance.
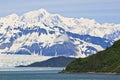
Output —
(104, 61)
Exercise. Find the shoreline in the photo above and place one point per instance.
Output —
(100, 73)
(111, 73)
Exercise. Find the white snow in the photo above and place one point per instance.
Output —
(61, 39)
(43, 19)
(16, 60)
(80, 26)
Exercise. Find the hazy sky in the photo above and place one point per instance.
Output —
(100, 10)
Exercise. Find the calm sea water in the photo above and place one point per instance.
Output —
(49, 74)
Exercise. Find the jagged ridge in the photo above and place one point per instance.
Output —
(41, 33)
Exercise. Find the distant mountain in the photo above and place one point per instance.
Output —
(53, 62)
(107, 61)
(41, 33)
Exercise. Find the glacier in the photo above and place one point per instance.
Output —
(16, 60)
(44, 34)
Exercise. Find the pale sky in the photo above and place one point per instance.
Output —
(101, 10)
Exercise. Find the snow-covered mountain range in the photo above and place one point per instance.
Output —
(41, 33)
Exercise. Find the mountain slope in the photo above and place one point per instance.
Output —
(52, 62)
(104, 61)
(41, 33)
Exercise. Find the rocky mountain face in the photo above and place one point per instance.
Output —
(41, 33)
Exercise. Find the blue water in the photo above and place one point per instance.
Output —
(49, 74)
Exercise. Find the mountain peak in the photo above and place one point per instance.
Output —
(42, 11)
(13, 16)
(34, 15)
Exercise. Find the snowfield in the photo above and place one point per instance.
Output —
(16, 60)
(39, 35)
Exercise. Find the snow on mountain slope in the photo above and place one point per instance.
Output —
(39, 32)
